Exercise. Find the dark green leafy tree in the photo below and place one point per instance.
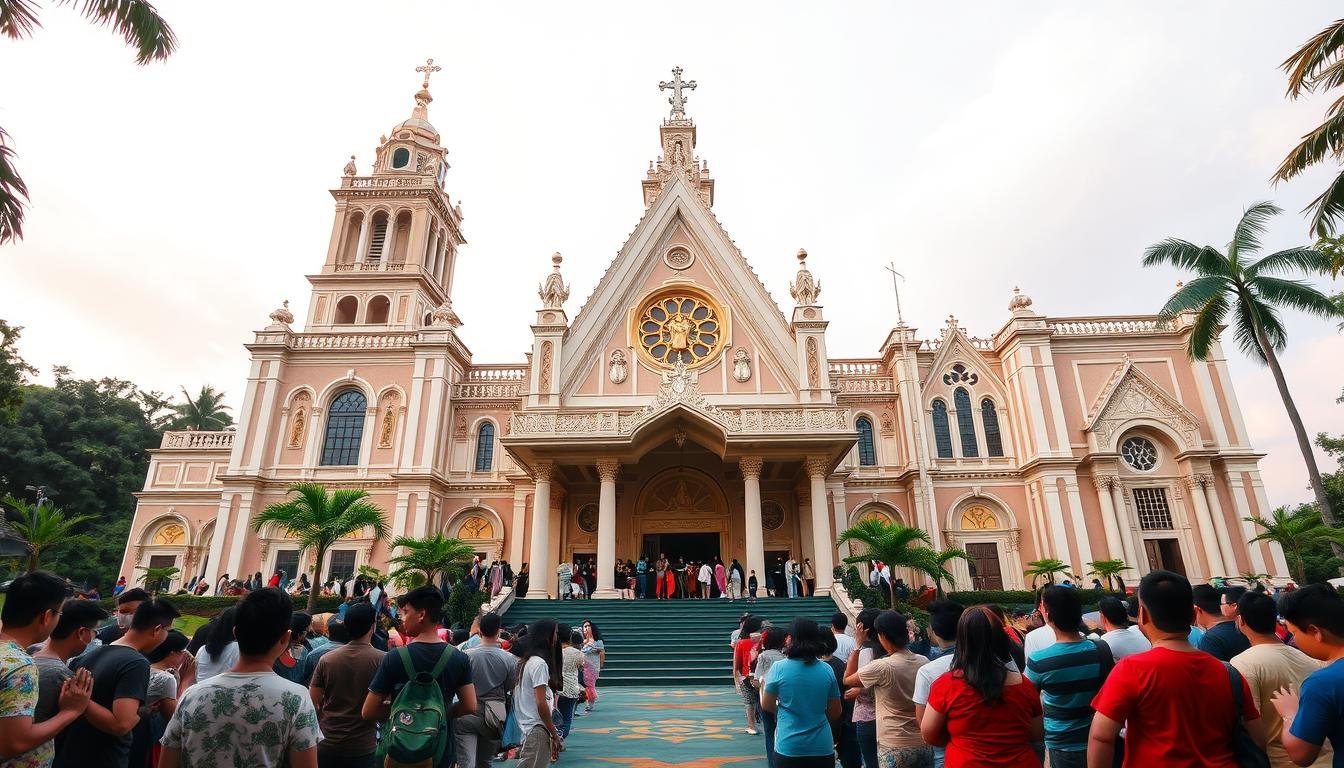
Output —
(14, 370)
(138, 23)
(1237, 289)
(1298, 532)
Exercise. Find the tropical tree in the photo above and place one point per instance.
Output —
(1316, 66)
(1110, 570)
(204, 412)
(1046, 567)
(1251, 291)
(41, 528)
(317, 518)
(1298, 532)
(157, 578)
(898, 546)
(138, 23)
(935, 565)
(426, 558)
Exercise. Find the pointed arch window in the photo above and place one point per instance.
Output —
(485, 447)
(942, 436)
(961, 400)
(867, 448)
(345, 429)
(993, 437)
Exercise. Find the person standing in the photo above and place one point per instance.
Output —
(944, 617)
(809, 577)
(802, 693)
(340, 682)
(736, 580)
(790, 582)
(660, 585)
(220, 651)
(532, 699)
(494, 673)
(844, 644)
(743, 646)
(1221, 638)
(642, 577)
(248, 715)
(752, 586)
(595, 657)
(565, 574)
(772, 651)
(1269, 665)
(73, 633)
(1315, 713)
(1068, 673)
(522, 581)
(777, 585)
(1121, 636)
(705, 576)
(720, 577)
(127, 602)
(571, 660)
(892, 681)
(980, 712)
(1176, 702)
(32, 610)
(102, 737)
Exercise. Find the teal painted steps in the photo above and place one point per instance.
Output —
(665, 643)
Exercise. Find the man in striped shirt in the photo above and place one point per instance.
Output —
(1068, 674)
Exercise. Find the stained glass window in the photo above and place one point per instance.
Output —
(990, 418)
(867, 449)
(1139, 453)
(485, 447)
(345, 429)
(961, 399)
(942, 436)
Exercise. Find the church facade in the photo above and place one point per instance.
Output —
(680, 409)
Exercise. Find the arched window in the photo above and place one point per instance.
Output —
(346, 310)
(867, 450)
(961, 399)
(401, 157)
(990, 418)
(379, 307)
(485, 447)
(942, 437)
(345, 429)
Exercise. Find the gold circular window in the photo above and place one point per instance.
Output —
(680, 324)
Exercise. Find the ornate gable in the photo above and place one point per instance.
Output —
(1130, 394)
(959, 361)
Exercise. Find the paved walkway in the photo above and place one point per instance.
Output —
(658, 728)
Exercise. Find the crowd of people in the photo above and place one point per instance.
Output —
(663, 578)
(380, 682)
(1175, 675)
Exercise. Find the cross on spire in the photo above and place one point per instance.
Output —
(429, 68)
(677, 99)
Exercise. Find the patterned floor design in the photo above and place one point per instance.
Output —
(648, 728)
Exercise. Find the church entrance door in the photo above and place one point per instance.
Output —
(692, 547)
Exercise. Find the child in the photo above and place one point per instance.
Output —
(752, 584)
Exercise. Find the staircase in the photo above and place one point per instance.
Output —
(668, 643)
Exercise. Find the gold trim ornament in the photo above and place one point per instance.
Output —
(680, 325)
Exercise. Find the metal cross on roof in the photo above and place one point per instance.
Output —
(429, 68)
(677, 99)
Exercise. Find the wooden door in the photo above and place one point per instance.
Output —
(986, 571)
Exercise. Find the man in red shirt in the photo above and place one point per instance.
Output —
(1175, 702)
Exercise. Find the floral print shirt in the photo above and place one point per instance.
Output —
(237, 719)
(18, 697)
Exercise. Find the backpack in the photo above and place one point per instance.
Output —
(418, 728)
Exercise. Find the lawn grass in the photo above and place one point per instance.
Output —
(188, 625)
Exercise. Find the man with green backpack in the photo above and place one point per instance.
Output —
(412, 691)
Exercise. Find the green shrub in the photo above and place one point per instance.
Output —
(463, 605)
(858, 589)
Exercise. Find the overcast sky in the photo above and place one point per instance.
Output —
(979, 145)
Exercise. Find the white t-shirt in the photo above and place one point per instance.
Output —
(162, 685)
(207, 666)
(1126, 642)
(535, 673)
(705, 574)
(844, 645)
(1038, 639)
(253, 719)
(930, 672)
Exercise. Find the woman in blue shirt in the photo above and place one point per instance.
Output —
(802, 693)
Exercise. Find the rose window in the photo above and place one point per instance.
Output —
(1139, 453)
(680, 326)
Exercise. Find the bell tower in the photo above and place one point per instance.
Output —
(395, 235)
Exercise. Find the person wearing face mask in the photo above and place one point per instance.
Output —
(72, 635)
(127, 603)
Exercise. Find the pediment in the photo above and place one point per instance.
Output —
(1131, 395)
(957, 349)
(678, 217)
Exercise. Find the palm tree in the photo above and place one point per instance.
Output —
(898, 546)
(1109, 570)
(935, 566)
(203, 413)
(138, 23)
(157, 578)
(1296, 532)
(42, 527)
(318, 519)
(1249, 289)
(427, 557)
(1046, 567)
(1318, 64)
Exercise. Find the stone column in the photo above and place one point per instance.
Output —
(362, 246)
(543, 561)
(751, 487)
(823, 546)
(1132, 554)
(1220, 527)
(1207, 535)
(607, 470)
(1114, 549)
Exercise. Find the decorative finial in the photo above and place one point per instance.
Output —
(282, 317)
(443, 316)
(1020, 301)
(350, 169)
(429, 68)
(677, 99)
(554, 293)
(804, 289)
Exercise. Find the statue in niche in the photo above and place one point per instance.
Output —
(350, 169)
(296, 432)
(618, 368)
(679, 330)
(389, 421)
(741, 365)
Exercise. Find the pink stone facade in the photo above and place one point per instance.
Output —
(681, 408)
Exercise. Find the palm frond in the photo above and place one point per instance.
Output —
(1327, 209)
(1295, 294)
(138, 23)
(1302, 259)
(1209, 321)
(1193, 296)
(1246, 237)
(1305, 66)
(1249, 311)
(13, 191)
(1318, 144)
(1184, 255)
(18, 18)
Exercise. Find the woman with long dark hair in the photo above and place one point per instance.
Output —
(533, 699)
(983, 713)
(802, 693)
(865, 706)
(522, 581)
(595, 657)
(220, 651)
